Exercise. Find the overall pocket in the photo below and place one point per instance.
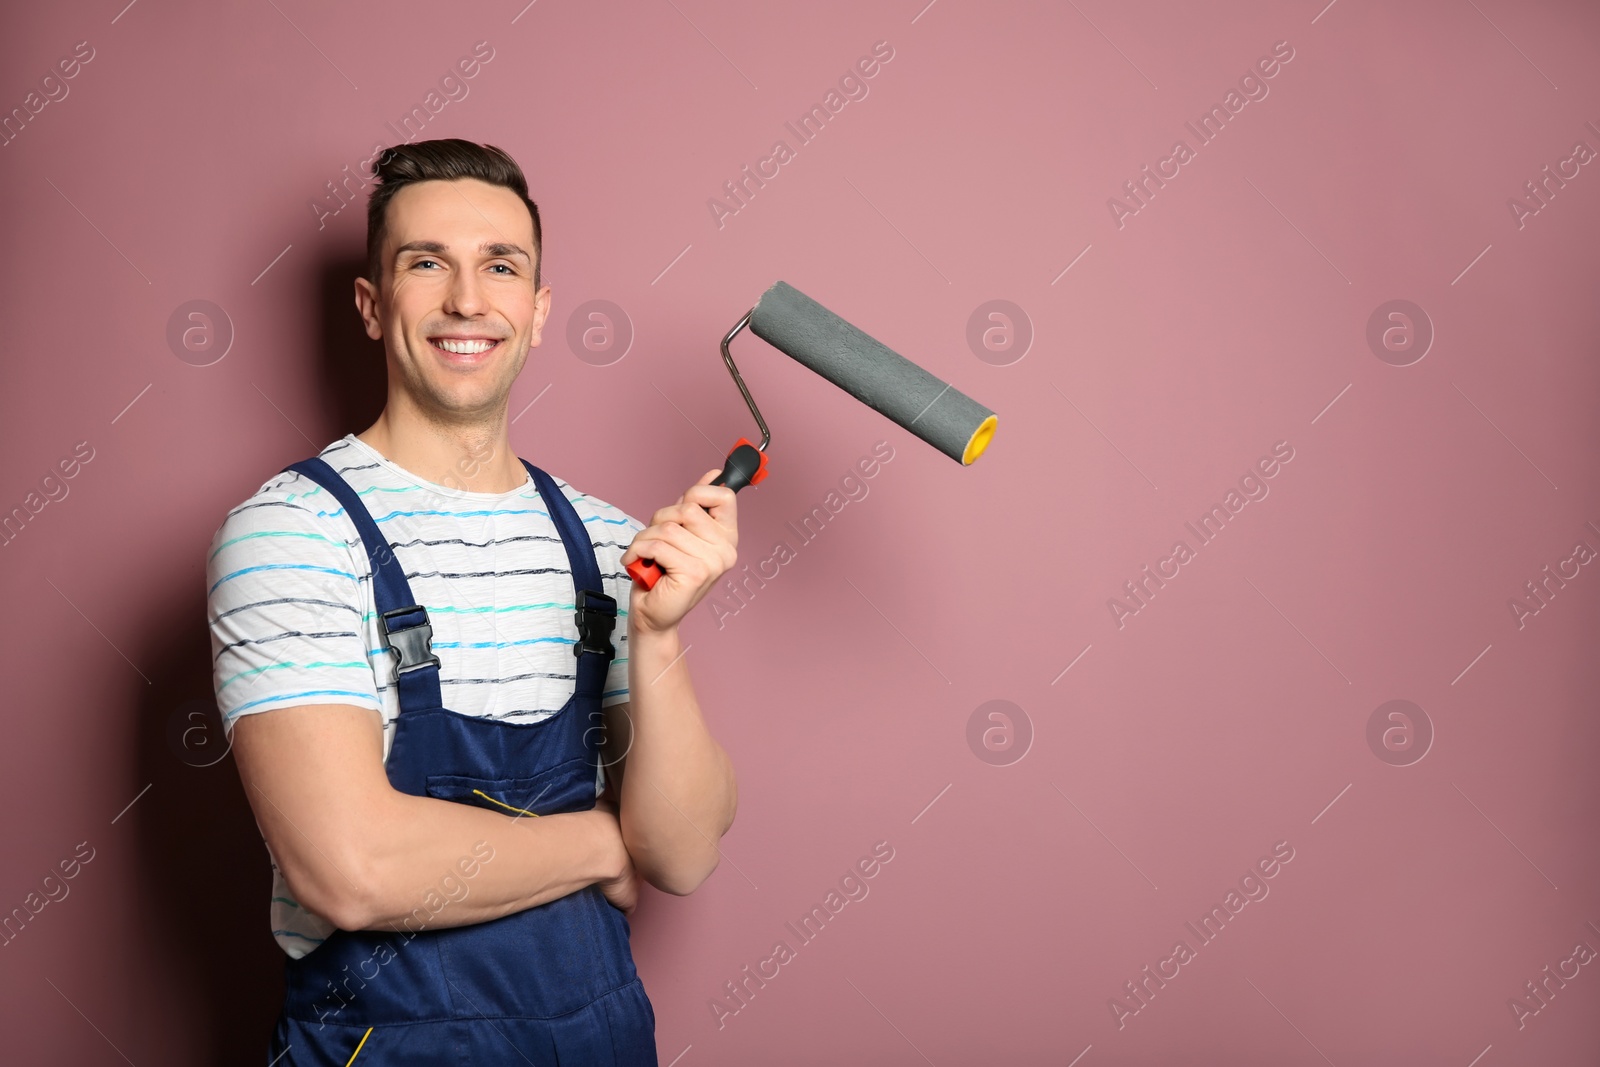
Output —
(566, 787)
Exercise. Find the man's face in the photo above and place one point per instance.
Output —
(456, 309)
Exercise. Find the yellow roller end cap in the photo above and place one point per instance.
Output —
(979, 440)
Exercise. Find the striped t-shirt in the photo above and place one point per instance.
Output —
(293, 621)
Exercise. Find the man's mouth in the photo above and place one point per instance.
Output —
(464, 350)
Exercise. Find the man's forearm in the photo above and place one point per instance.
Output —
(678, 789)
(441, 863)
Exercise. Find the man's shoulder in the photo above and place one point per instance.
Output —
(288, 515)
(604, 520)
(285, 491)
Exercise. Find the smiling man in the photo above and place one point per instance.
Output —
(461, 764)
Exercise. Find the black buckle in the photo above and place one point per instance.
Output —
(412, 645)
(596, 617)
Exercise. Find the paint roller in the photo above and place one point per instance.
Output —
(862, 366)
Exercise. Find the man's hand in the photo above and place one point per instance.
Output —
(623, 890)
(694, 541)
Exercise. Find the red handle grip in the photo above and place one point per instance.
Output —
(746, 465)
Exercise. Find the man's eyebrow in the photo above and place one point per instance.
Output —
(496, 248)
(500, 248)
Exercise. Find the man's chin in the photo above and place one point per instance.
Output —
(461, 398)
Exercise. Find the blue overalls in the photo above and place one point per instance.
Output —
(554, 984)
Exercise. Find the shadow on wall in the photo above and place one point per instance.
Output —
(204, 872)
(354, 377)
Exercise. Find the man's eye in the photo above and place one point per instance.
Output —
(420, 262)
(504, 266)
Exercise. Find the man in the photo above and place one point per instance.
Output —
(413, 638)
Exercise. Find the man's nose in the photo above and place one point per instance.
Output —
(466, 294)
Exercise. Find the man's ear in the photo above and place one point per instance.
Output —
(367, 305)
(541, 313)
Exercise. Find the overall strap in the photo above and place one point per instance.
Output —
(401, 620)
(596, 613)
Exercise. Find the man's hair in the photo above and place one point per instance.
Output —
(442, 160)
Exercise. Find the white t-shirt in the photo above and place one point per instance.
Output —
(293, 621)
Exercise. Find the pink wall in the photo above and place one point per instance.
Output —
(1169, 750)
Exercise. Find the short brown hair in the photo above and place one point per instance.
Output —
(448, 159)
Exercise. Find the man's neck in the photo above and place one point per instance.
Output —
(475, 458)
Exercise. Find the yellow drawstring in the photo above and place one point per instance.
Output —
(508, 807)
(357, 1052)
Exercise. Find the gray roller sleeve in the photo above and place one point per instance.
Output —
(873, 373)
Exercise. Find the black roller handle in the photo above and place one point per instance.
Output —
(746, 465)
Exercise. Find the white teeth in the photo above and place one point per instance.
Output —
(464, 348)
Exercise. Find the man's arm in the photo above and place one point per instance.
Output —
(364, 856)
(677, 795)
(677, 791)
